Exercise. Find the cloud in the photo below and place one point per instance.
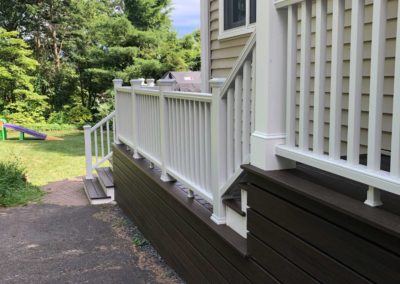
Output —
(185, 15)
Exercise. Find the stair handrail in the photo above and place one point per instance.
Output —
(246, 52)
(106, 152)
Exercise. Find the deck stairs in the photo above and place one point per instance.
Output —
(100, 189)
(99, 139)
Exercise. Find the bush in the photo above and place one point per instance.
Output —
(79, 115)
(14, 188)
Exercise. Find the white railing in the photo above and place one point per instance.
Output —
(198, 139)
(234, 116)
(334, 143)
(105, 132)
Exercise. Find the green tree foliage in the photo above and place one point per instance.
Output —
(17, 95)
(148, 14)
(81, 45)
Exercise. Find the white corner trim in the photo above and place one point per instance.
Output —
(205, 45)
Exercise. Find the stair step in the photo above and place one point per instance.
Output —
(106, 177)
(235, 205)
(94, 191)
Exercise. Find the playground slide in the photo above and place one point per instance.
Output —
(31, 132)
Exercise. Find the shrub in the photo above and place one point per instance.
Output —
(14, 187)
(79, 115)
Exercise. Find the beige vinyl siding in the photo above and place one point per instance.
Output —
(388, 73)
(224, 53)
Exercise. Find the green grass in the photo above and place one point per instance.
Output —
(47, 161)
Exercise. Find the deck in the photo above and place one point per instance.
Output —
(300, 228)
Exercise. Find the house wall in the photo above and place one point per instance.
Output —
(224, 52)
(389, 72)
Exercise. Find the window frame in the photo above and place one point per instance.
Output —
(237, 31)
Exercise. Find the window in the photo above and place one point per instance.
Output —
(237, 17)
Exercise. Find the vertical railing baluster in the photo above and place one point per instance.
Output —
(335, 116)
(395, 146)
(185, 139)
(102, 141)
(319, 80)
(203, 153)
(230, 131)
(376, 84)
(96, 151)
(197, 135)
(246, 110)
(238, 122)
(191, 141)
(355, 87)
(376, 96)
(207, 144)
(182, 136)
(291, 76)
(305, 63)
(108, 137)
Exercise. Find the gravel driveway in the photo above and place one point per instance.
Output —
(65, 240)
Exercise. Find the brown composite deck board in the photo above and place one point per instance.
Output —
(282, 269)
(375, 263)
(235, 205)
(168, 219)
(105, 174)
(94, 189)
(180, 245)
(320, 265)
(218, 241)
(374, 224)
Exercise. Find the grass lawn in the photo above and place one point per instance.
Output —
(47, 161)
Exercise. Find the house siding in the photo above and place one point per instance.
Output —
(388, 73)
(223, 53)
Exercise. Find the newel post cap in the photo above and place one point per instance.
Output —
(117, 82)
(137, 82)
(217, 82)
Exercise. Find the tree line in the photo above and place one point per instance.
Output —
(58, 57)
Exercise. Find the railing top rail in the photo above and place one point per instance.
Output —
(147, 92)
(104, 120)
(239, 64)
(286, 3)
(203, 97)
(123, 89)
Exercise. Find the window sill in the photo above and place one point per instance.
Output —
(236, 32)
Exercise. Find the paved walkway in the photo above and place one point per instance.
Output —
(65, 240)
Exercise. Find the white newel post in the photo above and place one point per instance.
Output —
(218, 145)
(150, 82)
(135, 83)
(117, 84)
(165, 85)
(88, 151)
(270, 96)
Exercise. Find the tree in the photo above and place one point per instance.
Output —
(148, 14)
(17, 66)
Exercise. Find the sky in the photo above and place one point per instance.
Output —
(186, 16)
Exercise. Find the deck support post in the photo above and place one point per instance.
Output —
(165, 85)
(373, 197)
(136, 83)
(88, 151)
(117, 84)
(218, 153)
(270, 105)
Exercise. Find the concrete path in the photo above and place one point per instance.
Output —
(65, 240)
